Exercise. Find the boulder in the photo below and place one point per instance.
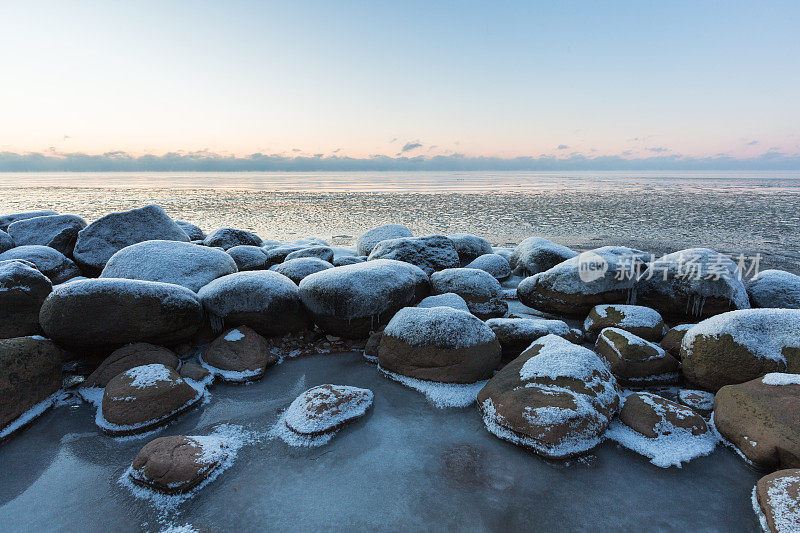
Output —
(479, 289)
(7, 220)
(175, 262)
(673, 338)
(352, 300)
(193, 371)
(516, 334)
(239, 354)
(100, 315)
(654, 416)
(494, 264)
(776, 500)
(144, 397)
(367, 241)
(23, 289)
(278, 254)
(265, 301)
(300, 267)
(431, 253)
(641, 321)
(738, 346)
(249, 257)
(130, 356)
(438, 344)
(193, 232)
(556, 398)
(699, 400)
(49, 261)
(226, 238)
(56, 231)
(775, 288)
(372, 346)
(635, 361)
(178, 463)
(6, 242)
(30, 371)
(447, 299)
(760, 417)
(325, 253)
(534, 255)
(348, 260)
(691, 285)
(326, 408)
(603, 276)
(104, 237)
(469, 247)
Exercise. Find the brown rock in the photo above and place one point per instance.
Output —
(130, 356)
(371, 348)
(641, 321)
(193, 371)
(634, 360)
(178, 463)
(653, 416)
(23, 289)
(325, 408)
(242, 351)
(778, 497)
(672, 340)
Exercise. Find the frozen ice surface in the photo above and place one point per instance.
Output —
(405, 465)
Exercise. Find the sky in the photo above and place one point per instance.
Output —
(401, 84)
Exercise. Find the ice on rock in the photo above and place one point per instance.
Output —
(778, 378)
(448, 299)
(435, 326)
(326, 407)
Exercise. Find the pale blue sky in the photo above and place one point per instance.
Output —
(483, 79)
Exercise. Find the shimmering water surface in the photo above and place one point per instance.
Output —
(732, 212)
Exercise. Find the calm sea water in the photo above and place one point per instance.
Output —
(732, 212)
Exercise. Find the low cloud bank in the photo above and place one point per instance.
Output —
(211, 162)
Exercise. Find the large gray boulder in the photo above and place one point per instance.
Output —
(229, 237)
(431, 253)
(691, 285)
(775, 288)
(534, 255)
(263, 300)
(23, 289)
(298, 268)
(193, 232)
(6, 242)
(49, 261)
(352, 300)
(104, 237)
(7, 220)
(56, 231)
(469, 246)
(179, 263)
(248, 257)
(479, 289)
(494, 264)
(367, 241)
(99, 315)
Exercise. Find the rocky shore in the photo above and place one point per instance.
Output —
(139, 315)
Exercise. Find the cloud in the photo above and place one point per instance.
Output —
(657, 149)
(409, 146)
(562, 147)
(204, 161)
(752, 143)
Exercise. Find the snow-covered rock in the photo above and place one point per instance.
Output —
(431, 253)
(447, 299)
(298, 268)
(494, 264)
(557, 399)
(692, 284)
(516, 334)
(641, 321)
(635, 361)
(239, 354)
(130, 356)
(775, 288)
(534, 255)
(367, 241)
(325, 253)
(49, 261)
(348, 260)
(666, 432)
(192, 231)
(30, 371)
(104, 237)
(98, 315)
(602, 276)
(479, 289)
(699, 400)
(762, 421)
(248, 257)
(352, 300)
(7, 220)
(438, 344)
(673, 338)
(179, 263)
(6, 242)
(265, 301)
(142, 398)
(178, 463)
(738, 346)
(469, 246)
(23, 289)
(326, 408)
(55, 231)
(776, 501)
(226, 238)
